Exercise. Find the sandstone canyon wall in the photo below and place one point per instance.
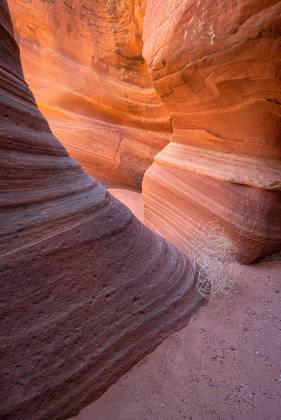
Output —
(211, 76)
(86, 289)
(83, 61)
(216, 65)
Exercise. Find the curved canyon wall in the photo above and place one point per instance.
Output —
(216, 65)
(86, 289)
(211, 75)
(83, 61)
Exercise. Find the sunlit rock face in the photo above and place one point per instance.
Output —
(86, 289)
(83, 61)
(216, 65)
(115, 78)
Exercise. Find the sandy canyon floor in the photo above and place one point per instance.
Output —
(226, 364)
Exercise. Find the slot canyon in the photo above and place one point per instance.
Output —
(140, 209)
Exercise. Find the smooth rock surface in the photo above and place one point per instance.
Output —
(132, 199)
(216, 65)
(115, 78)
(83, 61)
(86, 289)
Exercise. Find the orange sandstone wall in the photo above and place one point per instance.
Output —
(83, 61)
(216, 65)
(210, 75)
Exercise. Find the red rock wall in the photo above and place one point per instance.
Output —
(83, 61)
(216, 65)
(86, 289)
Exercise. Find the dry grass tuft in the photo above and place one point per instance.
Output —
(216, 258)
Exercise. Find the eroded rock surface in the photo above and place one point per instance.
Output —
(86, 289)
(216, 65)
(114, 88)
(83, 61)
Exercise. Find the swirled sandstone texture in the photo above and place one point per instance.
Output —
(86, 289)
(83, 61)
(216, 65)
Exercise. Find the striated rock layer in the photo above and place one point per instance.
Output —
(86, 289)
(83, 61)
(216, 65)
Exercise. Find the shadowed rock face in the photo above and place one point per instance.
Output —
(216, 65)
(83, 61)
(86, 289)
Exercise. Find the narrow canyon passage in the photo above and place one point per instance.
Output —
(185, 92)
(174, 105)
(83, 61)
